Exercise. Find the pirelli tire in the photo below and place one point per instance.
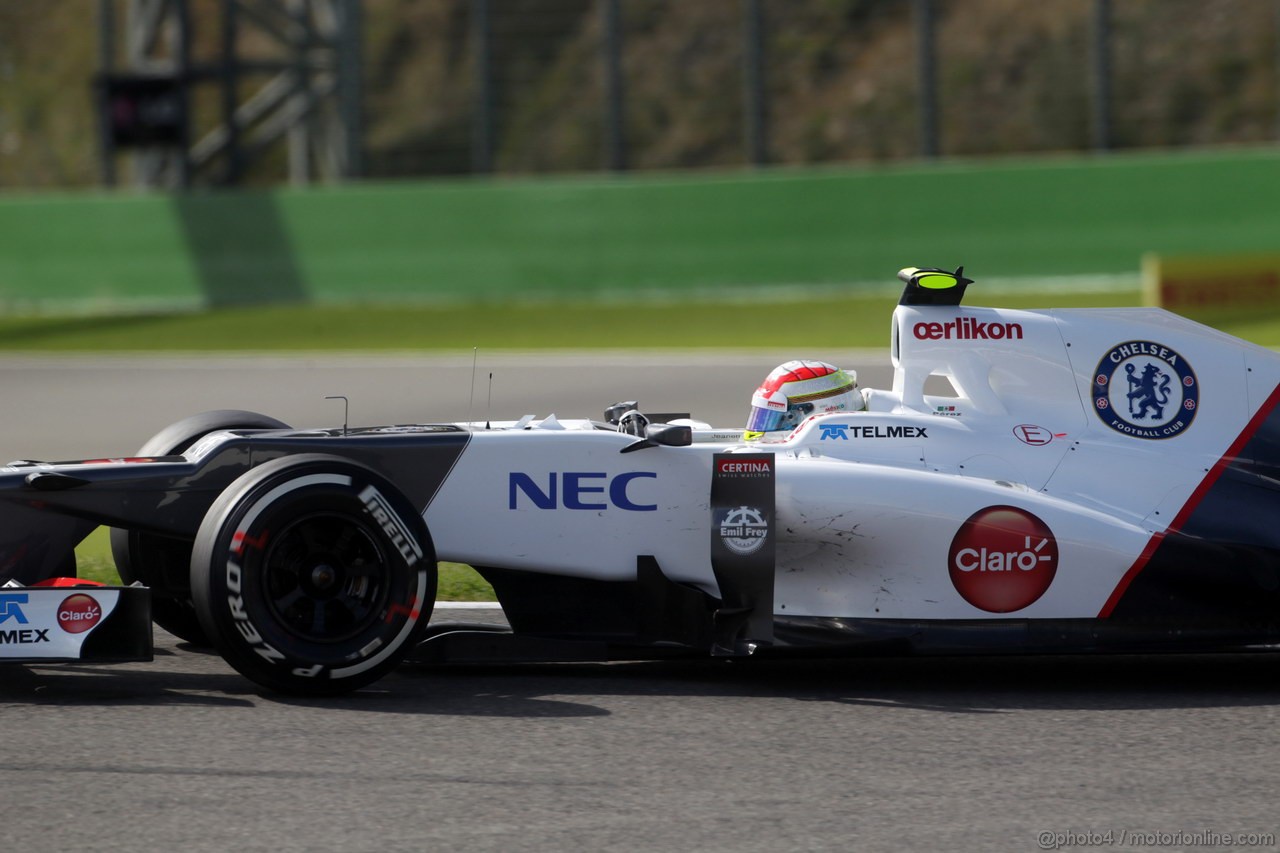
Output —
(163, 563)
(313, 575)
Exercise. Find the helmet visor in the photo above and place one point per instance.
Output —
(764, 420)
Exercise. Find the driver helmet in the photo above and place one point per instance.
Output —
(798, 389)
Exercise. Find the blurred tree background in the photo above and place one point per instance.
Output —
(840, 81)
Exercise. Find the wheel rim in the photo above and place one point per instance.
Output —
(325, 578)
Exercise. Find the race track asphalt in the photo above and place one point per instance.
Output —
(82, 407)
(971, 754)
(936, 754)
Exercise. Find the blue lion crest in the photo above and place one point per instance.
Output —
(1147, 392)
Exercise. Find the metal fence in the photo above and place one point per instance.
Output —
(447, 87)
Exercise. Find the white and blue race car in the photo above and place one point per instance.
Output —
(1034, 481)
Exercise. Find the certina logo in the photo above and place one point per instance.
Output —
(581, 490)
(744, 530)
(843, 432)
(78, 613)
(967, 329)
(391, 525)
(756, 467)
(1002, 559)
(1145, 390)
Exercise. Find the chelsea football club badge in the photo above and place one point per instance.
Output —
(1145, 390)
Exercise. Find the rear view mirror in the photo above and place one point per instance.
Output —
(662, 435)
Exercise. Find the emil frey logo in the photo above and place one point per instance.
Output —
(1145, 390)
(1002, 559)
(744, 530)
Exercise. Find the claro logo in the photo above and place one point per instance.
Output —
(78, 613)
(1002, 559)
(967, 329)
(589, 490)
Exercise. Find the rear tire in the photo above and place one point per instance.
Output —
(163, 563)
(313, 575)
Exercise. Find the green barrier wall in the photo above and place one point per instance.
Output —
(575, 237)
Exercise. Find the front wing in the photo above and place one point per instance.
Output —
(53, 624)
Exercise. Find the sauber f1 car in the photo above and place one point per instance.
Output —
(1035, 481)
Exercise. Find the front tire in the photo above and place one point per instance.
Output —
(313, 575)
(163, 563)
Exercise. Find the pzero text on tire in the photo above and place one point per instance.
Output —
(313, 575)
(163, 563)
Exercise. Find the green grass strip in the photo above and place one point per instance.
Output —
(851, 322)
(457, 582)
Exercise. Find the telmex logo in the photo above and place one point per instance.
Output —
(589, 490)
(10, 607)
(842, 432)
(967, 329)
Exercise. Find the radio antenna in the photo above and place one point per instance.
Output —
(475, 351)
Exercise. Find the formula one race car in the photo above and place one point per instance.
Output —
(1085, 480)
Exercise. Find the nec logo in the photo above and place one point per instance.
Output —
(588, 490)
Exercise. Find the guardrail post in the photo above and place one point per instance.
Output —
(755, 110)
(351, 87)
(482, 121)
(614, 94)
(106, 64)
(927, 72)
(1101, 75)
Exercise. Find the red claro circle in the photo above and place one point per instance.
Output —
(78, 613)
(1002, 559)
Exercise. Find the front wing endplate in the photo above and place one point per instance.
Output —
(60, 624)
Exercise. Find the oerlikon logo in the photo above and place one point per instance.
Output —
(1002, 559)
